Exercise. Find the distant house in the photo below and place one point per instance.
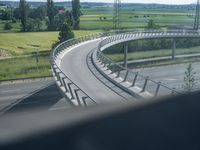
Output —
(61, 11)
(3, 7)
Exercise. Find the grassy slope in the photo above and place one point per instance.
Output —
(26, 43)
(24, 67)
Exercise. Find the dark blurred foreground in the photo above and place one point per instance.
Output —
(171, 123)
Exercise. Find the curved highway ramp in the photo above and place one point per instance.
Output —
(87, 77)
(76, 66)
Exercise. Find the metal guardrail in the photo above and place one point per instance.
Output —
(123, 36)
(145, 83)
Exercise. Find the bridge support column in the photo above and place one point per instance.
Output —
(125, 54)
(173, 48)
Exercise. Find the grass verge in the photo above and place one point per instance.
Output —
(24, 67)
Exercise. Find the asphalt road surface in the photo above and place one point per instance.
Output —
(74, 65)
(30, 96)
(171, 76)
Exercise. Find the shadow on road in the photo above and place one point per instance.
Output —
(43, 99)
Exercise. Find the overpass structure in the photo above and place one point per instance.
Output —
(86, 76)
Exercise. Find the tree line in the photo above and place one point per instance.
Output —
(33, 19)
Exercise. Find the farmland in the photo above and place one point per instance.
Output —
(21, 46)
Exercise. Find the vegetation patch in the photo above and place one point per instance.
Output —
(25, 67)
(28, 42)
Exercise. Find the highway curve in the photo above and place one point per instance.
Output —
(74, 65)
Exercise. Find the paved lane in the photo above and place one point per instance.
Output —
(22, 97)
(75, 66)
(172, 76)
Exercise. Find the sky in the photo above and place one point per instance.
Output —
(135, 1)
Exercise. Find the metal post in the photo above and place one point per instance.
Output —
(145, 84)
(127, 72)
(113, 68)
(59, 78)
(109, 64)
(157, 89)
(125, 54)
(173, 48)
(173, 91)
(196, 21)
(70, 90)
(118, 74)
(76, 93)
(135, 79)
(63, 79)
(84, 101)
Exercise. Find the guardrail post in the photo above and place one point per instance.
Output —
(54, 69)
(100, 57)
(125, 54)
(105, 63)
(126, 76)
(173, 48)
(157, 89)
(76, 93)
(145, 84)
(59, 78)
(118, 74)
(135, 79)
(109, 65)
(70, 90)
(65, 86)
(173, 91)
(84, 101)
(102, 60)
(113, 69)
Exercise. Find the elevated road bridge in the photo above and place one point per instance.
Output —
(86, 76)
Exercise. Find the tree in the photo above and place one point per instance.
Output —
(189, 79)
(16, 13)
(38, 24)
(38, 13)
(7, 26)
(62, 18)
(151, 25)
(30, 24)
(65, 33)
(76, 14)
(51, 14)
(69, 18)
(23, 9)
(6, 15)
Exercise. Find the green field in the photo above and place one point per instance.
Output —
(24, 67)
(29, 42)
(102, 17)
(21, 44)
(90, 18)
(93, 20)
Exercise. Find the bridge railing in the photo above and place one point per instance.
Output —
(144, 83)
(136, 79)
(138, 34)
